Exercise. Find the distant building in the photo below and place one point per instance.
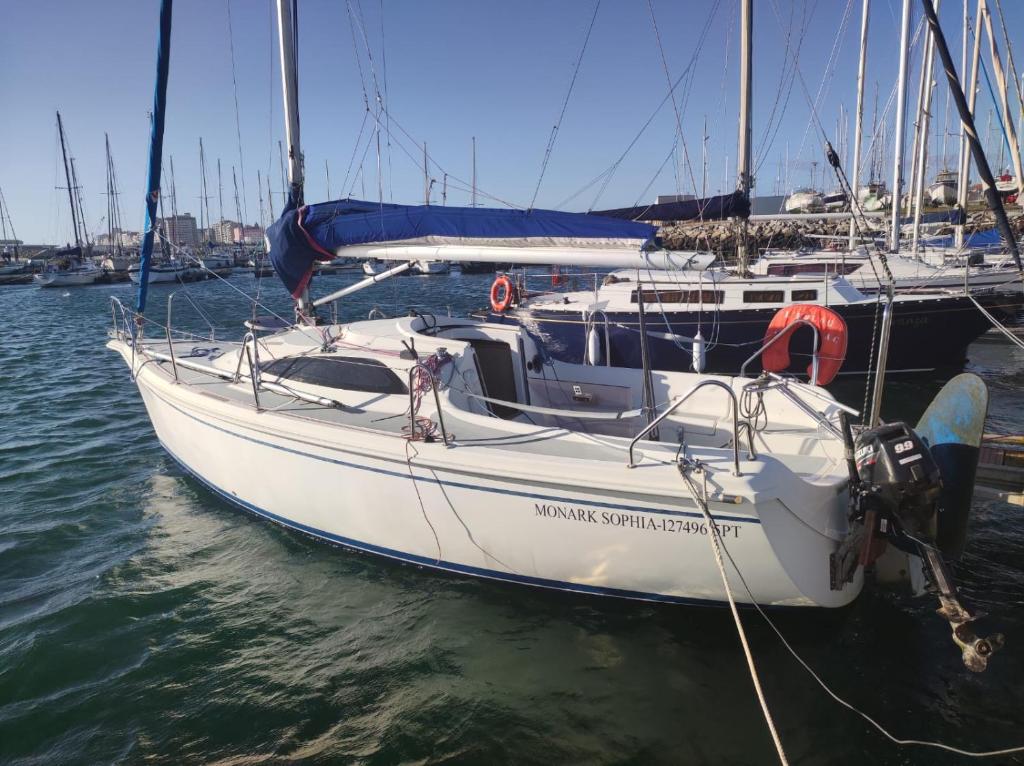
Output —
(664, 199)
(182, 230)
(223, 232)
(128, 239)
(249, 235)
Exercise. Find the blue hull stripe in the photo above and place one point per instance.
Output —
(462, 485)
(439, 564)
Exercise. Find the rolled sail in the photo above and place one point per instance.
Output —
(300, 238)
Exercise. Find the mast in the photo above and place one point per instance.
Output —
(744, 181)
(964, 177)
(259, 196)
(9, 224)
(473, 198)
(238, 212)
(174, 205)
(81, 207)
(220, 193)
(284, 178)
(204, 202)
(110, 197)
(991, 195)
(113, 209)
(156, 147)
(287, 36)
(918, 121)
(327, 170)
(925, 120)
(115, 194)
(270, 201)
(859, 119)
(901, 129)
(1000, 75)
(426, 176)
(288, 44)
(67, 178)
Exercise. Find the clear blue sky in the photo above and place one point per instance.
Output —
(454, 69)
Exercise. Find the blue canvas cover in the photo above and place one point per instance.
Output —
(986, 238)
(299, 238)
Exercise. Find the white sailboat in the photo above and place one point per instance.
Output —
(462, 445)
(69, 267)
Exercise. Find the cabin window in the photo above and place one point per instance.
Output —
(805, 295)
(764, 296)
(350, 373)
(793, 269)
(679, 296)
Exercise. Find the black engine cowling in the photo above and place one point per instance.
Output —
(900, 481)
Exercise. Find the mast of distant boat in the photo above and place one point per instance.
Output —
(859, 119)
(991, 194)
(67, 178)
(899, 137)
(204, 201)
(1008, 126)
(924, 120)
(963, 178)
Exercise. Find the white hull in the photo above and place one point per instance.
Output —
(556, 520)
(805, 202)
(942, 194)
(67, 278)
(159, 274)
(430, 268)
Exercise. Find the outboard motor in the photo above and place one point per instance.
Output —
(901, 495)
(899, 482)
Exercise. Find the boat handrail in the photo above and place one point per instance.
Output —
(785, 334)
(437, 402)
(170, 341)
(675, 405)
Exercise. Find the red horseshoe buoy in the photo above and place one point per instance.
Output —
(556, 276)
(832, 337)
(502, 293)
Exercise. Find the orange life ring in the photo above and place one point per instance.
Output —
(502, 293)
(832, 338)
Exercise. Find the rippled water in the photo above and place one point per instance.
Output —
(143, 619)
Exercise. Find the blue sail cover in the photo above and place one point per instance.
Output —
(299, 238)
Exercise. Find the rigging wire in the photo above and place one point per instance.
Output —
(607, 174)
(565, 103)
(238, 119)
(680, 137)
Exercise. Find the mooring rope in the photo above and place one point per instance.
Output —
(719, 547)
(996, 323)
(716, 547)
